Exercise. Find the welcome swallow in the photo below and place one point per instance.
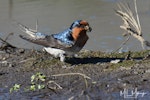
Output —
(68, 42)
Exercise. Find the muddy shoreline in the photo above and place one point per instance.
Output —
(106, 80)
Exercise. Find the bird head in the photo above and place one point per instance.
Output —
(81, 24)
(79, 29)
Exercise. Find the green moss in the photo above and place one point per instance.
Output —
(48, 62)
(85, 54)
(42, 60)
(126, 63)
(141, 53)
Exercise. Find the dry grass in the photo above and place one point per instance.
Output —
(85, 77)
(131, 23)
(80, 74)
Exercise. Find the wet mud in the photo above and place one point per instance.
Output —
(89, 76)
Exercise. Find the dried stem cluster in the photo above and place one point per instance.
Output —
(131, 23)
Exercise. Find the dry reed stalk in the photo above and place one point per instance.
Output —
(131, 24)
(67, 74)
(54, 88)
(80, 74)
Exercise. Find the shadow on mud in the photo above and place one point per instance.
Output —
(96, 60)
(91, 60)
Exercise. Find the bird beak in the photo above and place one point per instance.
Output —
(88, 28)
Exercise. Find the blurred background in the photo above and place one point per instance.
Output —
(56, 15)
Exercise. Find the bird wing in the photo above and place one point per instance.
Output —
(65, 37)
(47, 41)
(60, 40)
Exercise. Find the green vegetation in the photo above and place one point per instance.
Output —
(36, 83)
(39, 81)
(16, 87)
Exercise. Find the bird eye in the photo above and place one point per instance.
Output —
(82, 26)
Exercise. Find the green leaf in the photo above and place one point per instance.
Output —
(41, 86)
(32, 88)
(32, 78)
(16, 87)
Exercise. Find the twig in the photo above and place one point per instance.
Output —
(137, 17)
(26, 60)
(5, 42)
(66, 74)
(80, 74)
(8, 36)
(123, 43)
(37, 26)
(59, 87)
(85, 93)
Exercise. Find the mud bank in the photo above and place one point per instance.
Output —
(89, 76)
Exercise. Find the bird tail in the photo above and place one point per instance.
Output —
(27, 38)
(27, 30)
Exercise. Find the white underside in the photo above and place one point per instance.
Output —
(57, 53)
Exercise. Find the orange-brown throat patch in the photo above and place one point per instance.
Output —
(77, 32)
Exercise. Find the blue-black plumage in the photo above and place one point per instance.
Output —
(64, 43)
(65, 37)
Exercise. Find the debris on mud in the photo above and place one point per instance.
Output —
(67, 81)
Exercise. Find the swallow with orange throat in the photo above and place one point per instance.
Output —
(66, 43)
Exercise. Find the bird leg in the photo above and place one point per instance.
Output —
(62, 57)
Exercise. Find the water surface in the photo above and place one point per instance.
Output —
(56, 15)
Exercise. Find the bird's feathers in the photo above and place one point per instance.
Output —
(71, 40)
(48, 41)
(65, 37)
(32, 33)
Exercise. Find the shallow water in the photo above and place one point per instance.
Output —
(54, 16)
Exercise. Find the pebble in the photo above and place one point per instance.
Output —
(3, 63)
(147, 71)
(98, 63)
(115, 61)
(21, 50)
(64, 66)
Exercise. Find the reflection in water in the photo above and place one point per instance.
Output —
(56, 15)
(10, 12)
